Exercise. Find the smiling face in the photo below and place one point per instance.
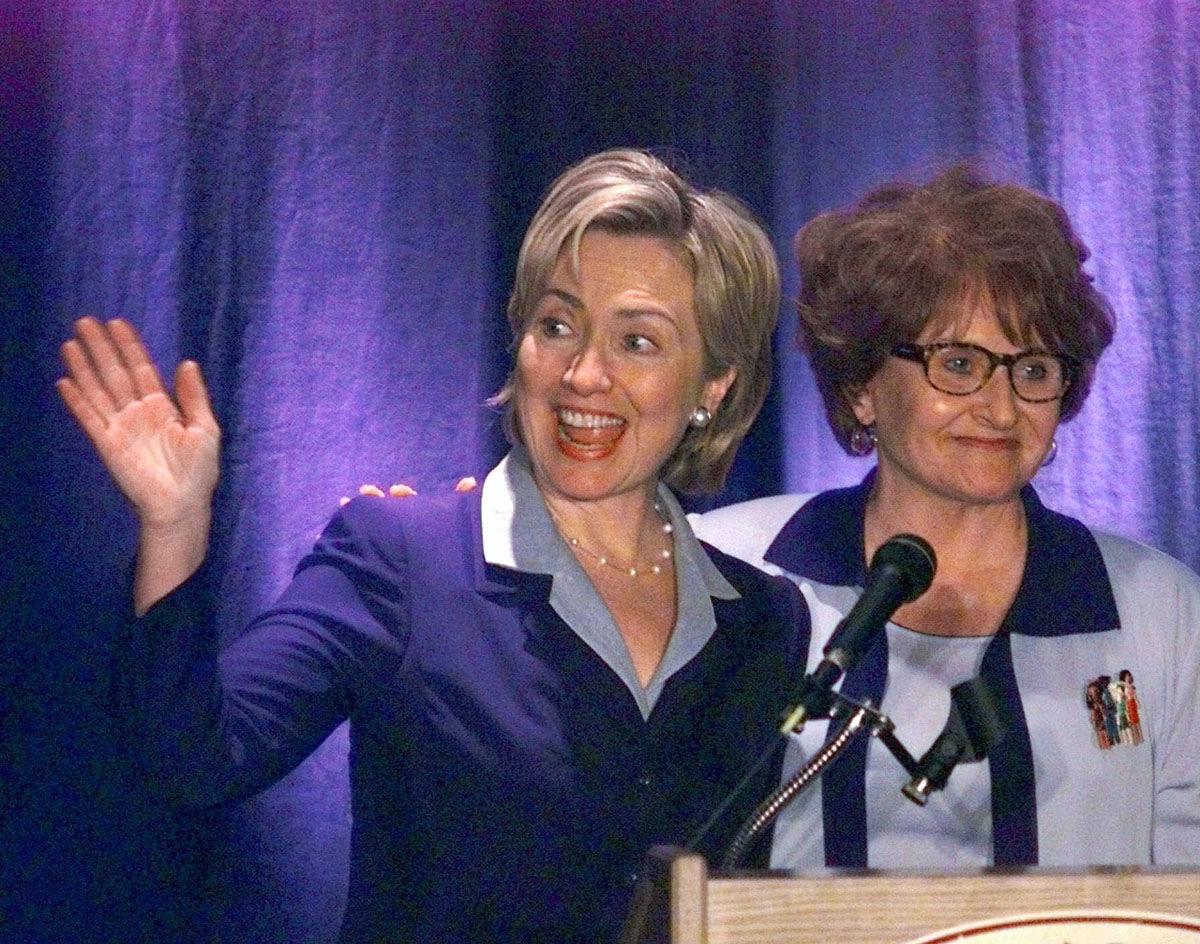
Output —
(981, 448)
(610, 368)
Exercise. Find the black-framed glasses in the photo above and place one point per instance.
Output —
(959, 368)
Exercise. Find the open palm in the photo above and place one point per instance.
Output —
(162, 452)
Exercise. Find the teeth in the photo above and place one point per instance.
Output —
(588, 420)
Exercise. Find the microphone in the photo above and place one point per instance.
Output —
(901, 570)
(978, 720)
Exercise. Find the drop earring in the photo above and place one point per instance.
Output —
(1052, 454)
(862, 441)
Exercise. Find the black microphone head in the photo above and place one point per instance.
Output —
(983, 714)
(911, 556)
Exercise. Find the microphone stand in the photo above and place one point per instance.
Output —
(859, 717)
(978, 720)
(901, 569)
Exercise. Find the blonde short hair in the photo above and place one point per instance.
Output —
(626, 191)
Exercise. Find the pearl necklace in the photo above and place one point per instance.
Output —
(642, 570)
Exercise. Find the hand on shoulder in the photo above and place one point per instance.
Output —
(465, 484)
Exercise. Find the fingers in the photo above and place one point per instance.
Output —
(109, 370)
(85, 382)
(465, 484)
(108, 367)
(192, 394)
(132, 351)
(86, 415)
(395, 491)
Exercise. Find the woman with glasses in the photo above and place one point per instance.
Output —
(951, 328)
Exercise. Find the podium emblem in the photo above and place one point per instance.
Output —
(1076, 927)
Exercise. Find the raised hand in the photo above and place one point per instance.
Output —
(163, 453)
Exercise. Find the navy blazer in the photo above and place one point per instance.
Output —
(504, 784)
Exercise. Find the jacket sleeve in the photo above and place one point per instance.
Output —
(214, 725)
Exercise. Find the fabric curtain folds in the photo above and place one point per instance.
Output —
(321, 203)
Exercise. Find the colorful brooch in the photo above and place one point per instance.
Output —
(1113, 708)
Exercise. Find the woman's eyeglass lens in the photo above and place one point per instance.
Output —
(959, 369)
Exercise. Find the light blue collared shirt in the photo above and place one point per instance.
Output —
(1133, 803)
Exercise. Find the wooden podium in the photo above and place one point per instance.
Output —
(679, 902)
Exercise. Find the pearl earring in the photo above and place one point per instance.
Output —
(701, 417)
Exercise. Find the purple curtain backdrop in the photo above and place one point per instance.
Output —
(1097, 105)
(322, 204)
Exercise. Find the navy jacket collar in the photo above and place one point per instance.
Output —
(1065, 588)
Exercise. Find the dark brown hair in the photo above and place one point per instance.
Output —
(911, 256)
